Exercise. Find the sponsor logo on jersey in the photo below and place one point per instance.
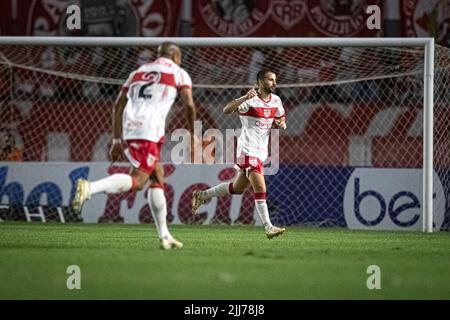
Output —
(264, 124)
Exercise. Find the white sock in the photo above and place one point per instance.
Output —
(115, 183)
(217, 191)
(157, 202)
(263, 212)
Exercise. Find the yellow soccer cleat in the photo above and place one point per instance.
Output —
(197, 201)
(82, 194)
(167, 243)
(274, 232)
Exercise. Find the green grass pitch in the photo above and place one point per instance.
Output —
(220, 262)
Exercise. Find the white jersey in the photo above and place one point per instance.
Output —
(151, 92)
(257, 116)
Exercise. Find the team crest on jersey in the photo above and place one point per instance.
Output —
(102, 17)
(267, 113)
(234, 18)
(427, 18)
(338, 17)
(288, 13)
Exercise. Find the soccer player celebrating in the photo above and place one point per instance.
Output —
(139, 116)
(257, 111)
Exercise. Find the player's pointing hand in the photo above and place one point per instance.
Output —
(251, 93)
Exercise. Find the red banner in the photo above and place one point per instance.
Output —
(11, 22)
(4, 26)
(283, 18)
(98, 18)
(324, 139)
(426, 18)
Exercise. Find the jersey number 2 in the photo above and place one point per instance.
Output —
(142, 94)
(152, 77)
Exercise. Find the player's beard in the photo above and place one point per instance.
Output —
(269, 90)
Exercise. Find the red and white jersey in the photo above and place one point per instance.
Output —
(257, 116)
(151, 92)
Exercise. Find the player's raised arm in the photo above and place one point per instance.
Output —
(234, 105)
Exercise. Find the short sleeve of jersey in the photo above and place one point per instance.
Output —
(244, 107)
(127, 82)
(182, 79)
(280, 111)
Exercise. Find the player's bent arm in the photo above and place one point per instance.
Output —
(281, 122)
(234, 105)
(188, 102)
(118, 108)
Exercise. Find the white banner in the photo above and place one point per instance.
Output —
(54, 184)
(372, 198)
(389, 199)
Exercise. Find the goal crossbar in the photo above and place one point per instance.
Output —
(203, 41)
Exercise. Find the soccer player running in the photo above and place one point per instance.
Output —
(258, 111)
(139, 116)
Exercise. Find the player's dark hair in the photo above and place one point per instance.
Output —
(262, 74)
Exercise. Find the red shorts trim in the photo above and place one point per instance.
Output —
(156, 185)
(143, 154)
(260, 196)
(251, 163)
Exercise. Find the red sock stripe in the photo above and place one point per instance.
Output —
(157, 185)
(260, 196)
(230, 188)
(134, 184)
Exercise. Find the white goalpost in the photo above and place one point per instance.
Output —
(356, 85)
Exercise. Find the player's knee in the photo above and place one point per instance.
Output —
(158, 180)
(138, 184)
(238, 190)
(158, 175)
(235, 189)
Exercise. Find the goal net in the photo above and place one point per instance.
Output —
(351, 156)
